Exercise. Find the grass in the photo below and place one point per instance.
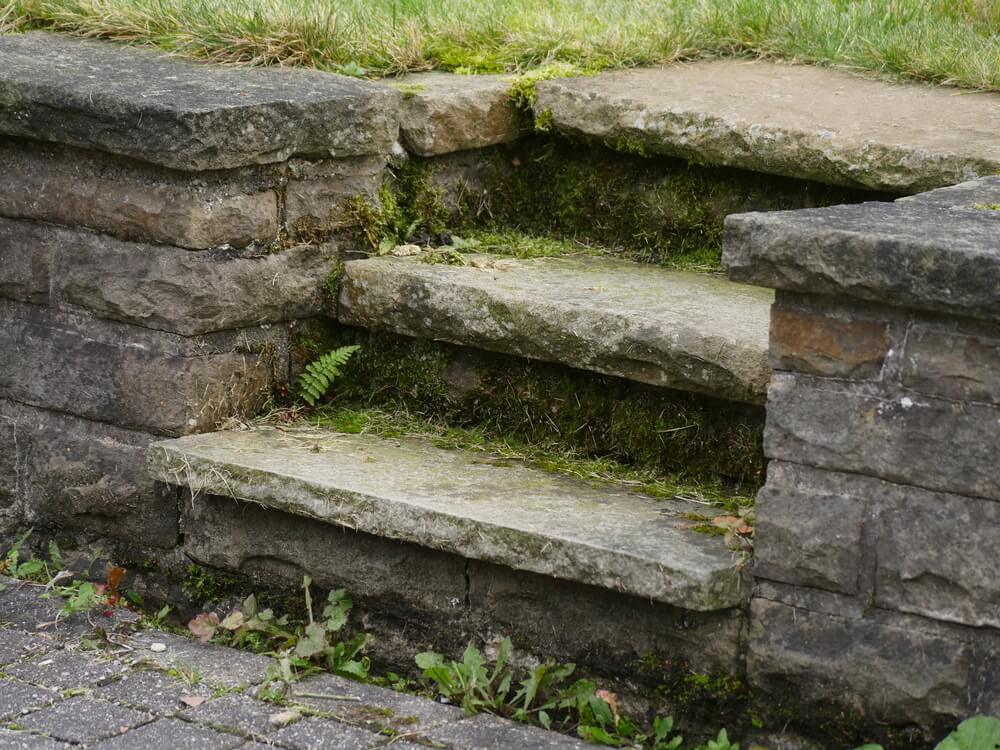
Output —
(946, 41)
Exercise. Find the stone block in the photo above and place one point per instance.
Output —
(65, 670)
(330, 735)
(899, 436)
(171, 733)
(131, 376)
(809, 527)
(889, 669)
(236, 713)
(446, 112)
(218, 666)
(279, 548)
(317, 192)
(898, 254)
(88, 476)
(165, 110)
(486, 732)
(161, 287)
(937, 555)
(83, 720)
(975, 195)
(545, 613)
(833, 342)
(953, 364)
(79, 188)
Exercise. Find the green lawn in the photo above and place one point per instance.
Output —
(954, 41)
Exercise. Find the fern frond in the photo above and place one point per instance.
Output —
(320, 373)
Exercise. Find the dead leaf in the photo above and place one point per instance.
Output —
(612, 700)
(193, 700)
(204, 626)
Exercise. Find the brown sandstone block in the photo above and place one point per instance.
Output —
(829, 342)
(127, 199)
(317, 192)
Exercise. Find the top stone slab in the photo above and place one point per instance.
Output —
(797, 121)
(185, 115)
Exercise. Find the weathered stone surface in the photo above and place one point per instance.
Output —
(72, 473)
(900, 254)
(827, 342)
(280, 548)
(126, 375)
(978, 195)
(234, 712)
(151, 691)
(22, 740)
(165, 110)
(544, 615)
(158, 286)
(330, 735)
(809, 528)
(317, 192)
(18, 645)
(445, 112)
(65, 670)
(943, 362)
(508, 514)
(19, 697)
(903, 437)
(78, 188)
(800, 121)
(681, 330)
(936, 555)
(889, 672)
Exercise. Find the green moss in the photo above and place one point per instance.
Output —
(543, 121)
(523, 91)
(629, 146)
(566, 420)
(331, 284)
(409, 90)
(203, 585)
(987, 206)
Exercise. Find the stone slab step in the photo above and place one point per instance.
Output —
(465, 503)
(688, 331)
(164, 110)
(794, 120)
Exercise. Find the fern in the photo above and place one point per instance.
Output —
(320, 373)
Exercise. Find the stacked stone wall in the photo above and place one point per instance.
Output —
(875, 557)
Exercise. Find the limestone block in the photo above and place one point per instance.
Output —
(317, 192)
(446, 112)
(161, 287)
(131, 376)
(165, 110)
(899, 436)
(79, 188)
(280, 548)
(809, 527)
(954, 364)
(891, 671)
(80, 475)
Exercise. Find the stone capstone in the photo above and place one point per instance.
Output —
(463, 503)
(446, 112)
(794, 120)
(900, 254)
(680, 330)
(188, 116)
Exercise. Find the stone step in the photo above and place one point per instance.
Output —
(465, 503)
(688, 331)
(793, 120)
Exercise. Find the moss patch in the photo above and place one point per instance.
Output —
(562, 419)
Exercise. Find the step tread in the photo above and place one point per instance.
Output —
(795, 120)
(682, 330)
(467, 503)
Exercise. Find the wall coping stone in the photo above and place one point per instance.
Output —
(184, 115)
(913, 254)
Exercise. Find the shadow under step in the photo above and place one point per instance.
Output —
(682, 330)
(465, 503)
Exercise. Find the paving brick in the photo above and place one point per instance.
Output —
(485, 732)
(322, 734)
(11, 740)
(63, 670)
(16, 645)
(235, 713)
(84, 720)
(375, 707)
(171, 734)
(216, 666)
(19, 697)
(151, 691)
